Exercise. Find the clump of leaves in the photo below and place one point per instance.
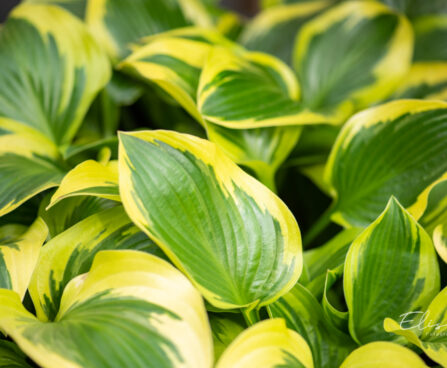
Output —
(157, 156)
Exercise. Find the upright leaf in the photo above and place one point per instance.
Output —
(126, 312)
(379, 150)
(234, 238)
(390, 269)
(269, 344)
(351, 56)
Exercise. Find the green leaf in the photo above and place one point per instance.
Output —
(89, 178)
(11, 356)
(440, 241)
(390, 269)
(19, 252)
(76, 7)
(71, 253)
(225, 329)
(425, 80)
(273, 31)
(430, 38)
(351, 56)
(414, 8)
(379, 150)
(119, 25)
(130, 310)
(234, 238)
(304, 314)
(50, 63)
(268, 344)
(427, 329)
(250, 90)
(383, 355)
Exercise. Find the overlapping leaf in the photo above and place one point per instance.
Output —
(234, 238)
(131, 309)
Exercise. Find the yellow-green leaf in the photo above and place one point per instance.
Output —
(430, 37)
(379, 150)
(89, 178)
(19, 252)
(11, 356)
(233, 237)
(268, 344)
(440, 241)
(383, 355)
(130, 310)
(390, 269)
(351, 56)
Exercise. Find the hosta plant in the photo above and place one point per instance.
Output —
(160, 161)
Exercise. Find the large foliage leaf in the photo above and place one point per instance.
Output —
(11, 356)
(52, 64)
(390, 269)
(19, 252)
(234, 238)
(430, 37)
(269, 344)
(71, 253)
(351, 56)
(379, 150)
(304, 314)
(118, 25)
(126, 312)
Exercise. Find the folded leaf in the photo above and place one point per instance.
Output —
(89, 178)
(440, 241)
(273, 31)
(425, 80)
(267, 344)
(428, 329)
(173, 61)
(29, 164)
(234, 238)
(379, 150)
(51, 70)
(250, 90)
(133, 302)
(430, 38)
(19, 252)
(118, 25)
(383, 355)
(390, 269)
(351, 56)
(71, 253)
(304, 314)
(11, 356)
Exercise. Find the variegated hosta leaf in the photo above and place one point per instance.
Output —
(250, 90)
(70, 211)
(52, 69)
(71, 253)
(430, 38)
(19, 252)
(76, 7)
(28, 164)
(379, 150)
(274, 30)
(89, 178)
(414, 8)
(263, 149)
(173, 61)
(267, 344)
(390, 269)
(304, 314)
(426, 329)
(440, 240)
(327, 257)
(234, 238)
(383, 355)
(11, 356)
(426, 80)
(224, 329)
(338, 318)
(118, 25)
(352, 56)
(131, 310)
